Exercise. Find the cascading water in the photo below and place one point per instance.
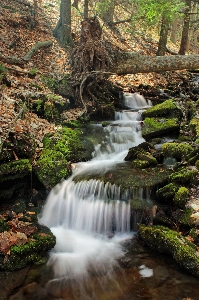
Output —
(88, 218)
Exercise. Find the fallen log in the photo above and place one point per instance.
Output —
(132, 63)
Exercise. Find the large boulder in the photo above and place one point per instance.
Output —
(157, 126)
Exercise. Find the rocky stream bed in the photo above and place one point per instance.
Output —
(167, 164)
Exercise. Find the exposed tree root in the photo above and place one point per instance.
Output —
(90, 61)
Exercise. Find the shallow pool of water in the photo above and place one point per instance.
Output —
(141, 274)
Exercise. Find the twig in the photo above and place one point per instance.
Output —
(20, 113)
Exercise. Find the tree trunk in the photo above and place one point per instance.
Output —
(75, 4)
(131, 63)
(185, 31)
(174, 30)
(85, 9)
(107, 15)
(192, 29)
(162, 45)
(62, 30)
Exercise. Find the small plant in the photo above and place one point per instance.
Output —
(3, 71)
(39, 104)
(50, 82)
(33, 71)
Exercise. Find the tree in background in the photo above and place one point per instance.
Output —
(62, 30)
(106, 9)
(153, 12)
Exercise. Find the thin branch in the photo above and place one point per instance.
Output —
(20, 61)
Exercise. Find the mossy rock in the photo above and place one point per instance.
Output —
(22, 144)
(184, 176)
(34, 251)
(177, 150)
(185, 218)
(51, 167)
(72, 143)
(194, 157)
(129, 178)
(140, 204)
(166, 109)
(148, 157)
(194, 125)
(164, 240)
(154, 127)
(135, 151)
(14, 178)
(194, 233)
(167, 192)
(181, 197)
(19, 206)
(15, 169)
(140, 164)
(3, 226)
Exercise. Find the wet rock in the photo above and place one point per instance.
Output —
(155, 127)
(167, 109)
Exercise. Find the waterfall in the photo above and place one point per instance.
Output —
(91, 219)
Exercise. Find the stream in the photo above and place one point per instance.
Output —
(97, 256)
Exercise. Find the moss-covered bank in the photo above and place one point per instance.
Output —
(60, 150)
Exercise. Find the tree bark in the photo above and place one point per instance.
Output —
(162, 45)
(131, 63)
(174, 29)
(193, 18)
(185, 31)
(108, 14)
(85, 9)
(62, 30)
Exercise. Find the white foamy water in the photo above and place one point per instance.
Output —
(135, 101)
(88, 218)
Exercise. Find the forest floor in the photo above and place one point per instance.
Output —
(17, 38)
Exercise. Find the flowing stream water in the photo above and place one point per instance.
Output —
(91, 221)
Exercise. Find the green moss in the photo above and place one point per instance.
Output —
(69, 142)
(177, 150)
(167, 108)
(15, 169)
(51, 167)
(194, 234)
(3, 226)
(50, 82)
(181, 197)
(140, 164)
(167, 192)
(194, 125)
(156, 126)
(129, 178)
(32, 252)
(184, 176)
(186, 218)
(164, 240)
(194, 157)
(197, 164)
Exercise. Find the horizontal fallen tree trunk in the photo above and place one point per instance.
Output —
(20, 61)
(132, 63)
